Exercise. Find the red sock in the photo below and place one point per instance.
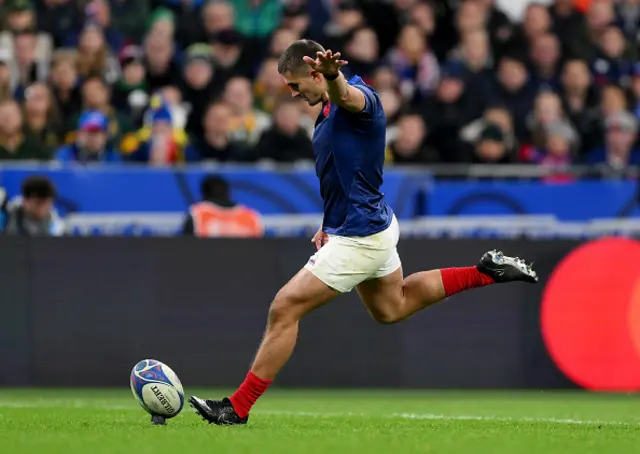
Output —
(455, 280)
(245, 397)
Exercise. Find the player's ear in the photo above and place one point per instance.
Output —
(316, 76)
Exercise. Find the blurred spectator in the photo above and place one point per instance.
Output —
(568, 23)
(42, 118)
(268, 86)
(557, 148)
(580, 100)
(6, 90)
(219, 216)
(547, 112)
(198, 26)
(613, 63)
(98, 13)
(231, 54)
(599, 17)
(215, 144)
(474, 55)
(629, 13)
(384, 78)
(26, 68)
(21, 19)
(33, 214)
(14, 143)
(535, 23)
(126, 17)
(58, 18)
(545, 61)
(414, 63)
(490, 147)
(130, 93)
(497, 116)
(286, 140)
(96, 95)
(515, 92)
(618, 150)
(257, 18)
(161, 66)
(362, 53)
(199, 85)
(295, 16)
(64, 82)
(91, 143)
(422, 14)
(346, 17)
(612, 101)
(161, 144)
(281, 39)
(452, 107)
(162, 21)
(497, 23)
(94, 56)
(410, 144)
(470, 17)
(179, 110)
(247, 122)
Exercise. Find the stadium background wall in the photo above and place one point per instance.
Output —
(80, 311)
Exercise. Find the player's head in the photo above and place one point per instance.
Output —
(214, 188)
(304, 82)
(37, 196)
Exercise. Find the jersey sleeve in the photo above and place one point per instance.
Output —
(372, 103)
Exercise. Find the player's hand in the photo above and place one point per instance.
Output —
(320, 239)
(326, 62)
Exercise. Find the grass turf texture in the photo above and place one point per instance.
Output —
(309, 422)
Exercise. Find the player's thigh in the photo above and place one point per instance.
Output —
(382, 296)
(302, 294)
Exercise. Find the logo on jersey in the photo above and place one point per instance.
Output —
(326, 110)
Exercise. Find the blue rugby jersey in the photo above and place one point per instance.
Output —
(349, 149)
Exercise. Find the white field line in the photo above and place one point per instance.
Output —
(72, 404)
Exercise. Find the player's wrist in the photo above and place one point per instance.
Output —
(332, 77)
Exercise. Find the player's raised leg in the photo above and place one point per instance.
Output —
(392, 298)
(301, 295)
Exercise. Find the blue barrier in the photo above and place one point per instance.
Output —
(574, 201)
(105, 189)
(137, 189)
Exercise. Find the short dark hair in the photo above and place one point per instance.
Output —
(291, 59)
(38, 187)
(214, 187)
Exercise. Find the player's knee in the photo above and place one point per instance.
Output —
(386, 317)
(282, 309)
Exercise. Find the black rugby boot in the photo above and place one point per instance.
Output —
(506, 269)
(218, 412)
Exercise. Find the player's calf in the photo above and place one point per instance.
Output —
(301, 295)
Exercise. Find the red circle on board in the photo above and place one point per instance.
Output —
(588, 310)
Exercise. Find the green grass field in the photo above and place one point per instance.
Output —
(309, 422)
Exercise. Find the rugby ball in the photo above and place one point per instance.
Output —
(157, 388)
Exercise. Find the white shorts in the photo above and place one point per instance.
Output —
(345, 262)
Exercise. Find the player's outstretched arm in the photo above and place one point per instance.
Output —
(340, 92)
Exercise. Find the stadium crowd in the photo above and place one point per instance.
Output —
(170, 81)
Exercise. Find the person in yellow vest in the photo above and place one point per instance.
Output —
(218, 216)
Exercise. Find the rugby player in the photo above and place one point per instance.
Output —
(356, 244)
